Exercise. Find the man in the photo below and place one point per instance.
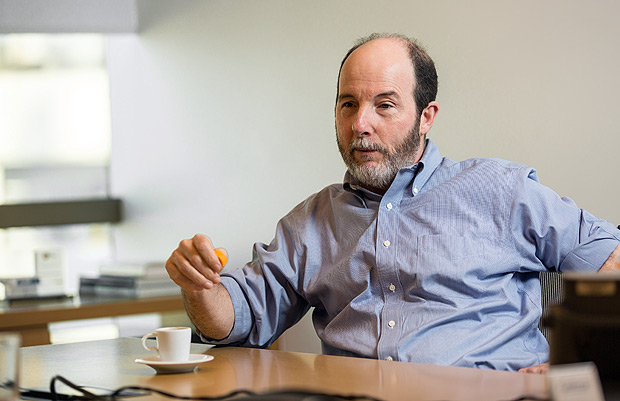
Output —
(414, 257)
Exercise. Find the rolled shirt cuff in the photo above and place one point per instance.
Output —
(591, 255)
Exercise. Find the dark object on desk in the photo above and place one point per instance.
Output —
(73, 392)
(44, 394)
(247, 395)
(586, 325)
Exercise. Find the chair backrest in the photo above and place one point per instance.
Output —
(551, 291)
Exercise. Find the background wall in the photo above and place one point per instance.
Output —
(222, 110)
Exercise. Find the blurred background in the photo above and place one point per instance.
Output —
(216, 116)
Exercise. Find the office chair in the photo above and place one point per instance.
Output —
(551, 294)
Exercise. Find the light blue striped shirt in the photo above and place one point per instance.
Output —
(442, 269)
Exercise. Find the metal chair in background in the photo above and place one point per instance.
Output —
(551, 291)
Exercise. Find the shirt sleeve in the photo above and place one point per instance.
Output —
(243, 318)
(265, 292)
(562, 236)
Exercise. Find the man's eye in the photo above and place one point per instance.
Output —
(347, 104)
(385, 106)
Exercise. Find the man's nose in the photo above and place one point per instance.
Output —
(363, 122)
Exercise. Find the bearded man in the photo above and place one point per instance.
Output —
(414, 257)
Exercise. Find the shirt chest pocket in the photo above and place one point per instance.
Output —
(448, 266)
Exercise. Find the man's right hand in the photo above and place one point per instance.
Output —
(194, 265)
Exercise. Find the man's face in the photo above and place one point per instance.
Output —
(376, 120)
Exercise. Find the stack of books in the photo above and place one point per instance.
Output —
(130, 280)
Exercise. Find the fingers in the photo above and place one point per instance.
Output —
(194, 265)
(541, 369)
(203, 252)
(222, 255)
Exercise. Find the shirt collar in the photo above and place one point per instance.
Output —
(351, 185)
(431, 159)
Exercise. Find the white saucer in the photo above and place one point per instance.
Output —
(175, 367)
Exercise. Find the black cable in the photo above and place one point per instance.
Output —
(118, 393)
(303, 395)
(86, 394)
(528, 398)
(235, 393)
(297, 393)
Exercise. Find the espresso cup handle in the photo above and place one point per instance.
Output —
(145, 337)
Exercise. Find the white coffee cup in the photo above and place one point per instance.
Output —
(172, 343)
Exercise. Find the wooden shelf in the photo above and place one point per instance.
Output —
(31, 318)
(59, 213)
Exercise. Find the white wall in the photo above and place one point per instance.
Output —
(68, 16)
(222, 110)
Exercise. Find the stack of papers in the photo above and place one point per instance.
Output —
(130, 280)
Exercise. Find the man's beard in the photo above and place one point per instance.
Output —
(382, 175)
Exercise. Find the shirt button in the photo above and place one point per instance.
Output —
(415, 190)
(392, 287)
(389, 358)
(386, 243)
(391, 323)
(389, 206)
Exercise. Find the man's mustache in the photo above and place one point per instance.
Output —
(366, 144)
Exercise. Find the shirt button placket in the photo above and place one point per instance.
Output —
(388, 345)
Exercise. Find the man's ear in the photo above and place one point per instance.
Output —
(428, 117)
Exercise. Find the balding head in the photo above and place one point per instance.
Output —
(382, 113)
(423, 69)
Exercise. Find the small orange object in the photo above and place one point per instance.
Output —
(221, 255)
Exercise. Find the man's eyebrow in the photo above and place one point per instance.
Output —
(387, 94)
(344, 96)
(382, 94)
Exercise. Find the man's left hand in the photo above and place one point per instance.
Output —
(542, 368)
